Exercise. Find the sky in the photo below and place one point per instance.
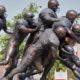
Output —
(16, 6)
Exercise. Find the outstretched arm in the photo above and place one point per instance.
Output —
(27, 30)
(23, 26)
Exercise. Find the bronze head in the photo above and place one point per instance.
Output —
(53, 4)
(76, 29)
(71, 15)
(28, 16)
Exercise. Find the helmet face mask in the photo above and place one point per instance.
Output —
(30, 20)
(77, 33)
(28, 16)
(55, 8)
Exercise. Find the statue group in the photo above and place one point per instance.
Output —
(51, 38)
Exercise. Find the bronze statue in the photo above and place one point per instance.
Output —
(48, 40)
(66, 23)
(66, 54)
(43, 39)
(22, 28)
(72, 59)
(46, 18)
(30, 39)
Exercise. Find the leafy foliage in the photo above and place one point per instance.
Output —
(58, 66)
(3, 43)
(5, 38)
(33, 8)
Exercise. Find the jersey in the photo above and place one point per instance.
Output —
(64, 22)
(18, 35)
(42, 25)
(42, 13)
(49, 11)
(48, 38)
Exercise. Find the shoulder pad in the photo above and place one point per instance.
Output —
(48, 11)
(21, 22)
(64, 22)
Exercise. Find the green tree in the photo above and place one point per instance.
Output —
(33, 7)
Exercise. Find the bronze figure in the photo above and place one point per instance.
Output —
(22, 28)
